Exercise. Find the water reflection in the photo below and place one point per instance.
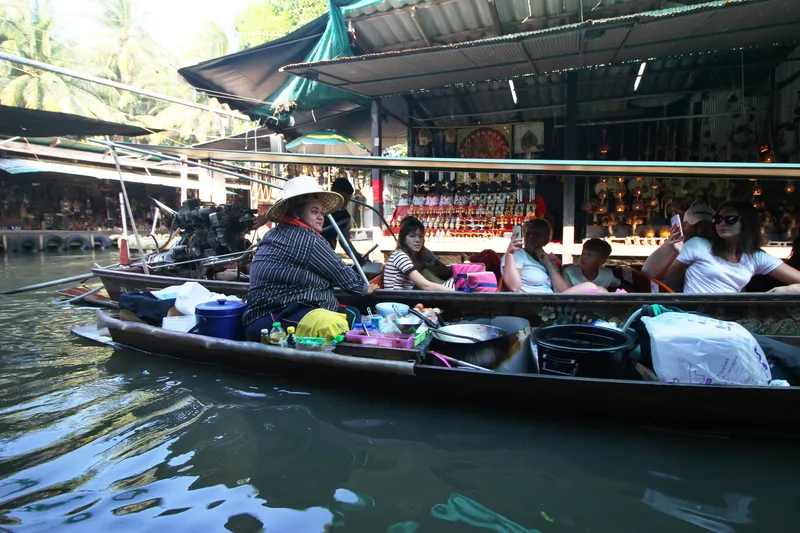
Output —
(123, 441)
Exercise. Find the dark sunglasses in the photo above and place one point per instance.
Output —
(729, 220)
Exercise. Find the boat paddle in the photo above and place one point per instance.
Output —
(81, 278)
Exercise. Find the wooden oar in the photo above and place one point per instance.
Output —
(82, 277)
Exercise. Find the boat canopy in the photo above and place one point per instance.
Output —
(23, 122)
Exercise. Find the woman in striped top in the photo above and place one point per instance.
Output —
(295, 270)
(403, 270)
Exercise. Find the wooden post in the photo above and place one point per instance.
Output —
(570, 151)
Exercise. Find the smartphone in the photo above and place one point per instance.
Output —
(516, 232)
(676, 221)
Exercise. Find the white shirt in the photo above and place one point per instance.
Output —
(605, 277)
(707, 273)
(533, 274)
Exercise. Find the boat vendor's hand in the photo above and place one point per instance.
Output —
(372, 288)
(514, 246)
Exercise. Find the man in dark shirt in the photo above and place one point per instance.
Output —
(341, 216)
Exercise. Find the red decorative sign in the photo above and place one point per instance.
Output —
(485, 143)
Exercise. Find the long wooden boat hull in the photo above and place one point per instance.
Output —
(358, 368)
(763, 313)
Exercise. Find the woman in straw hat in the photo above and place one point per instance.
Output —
(295, 269)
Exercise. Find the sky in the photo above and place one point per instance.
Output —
(169, 22)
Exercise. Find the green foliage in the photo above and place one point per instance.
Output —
(121, 50)
(267, 20)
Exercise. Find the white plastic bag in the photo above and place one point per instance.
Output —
(695, 349)
(191, 294)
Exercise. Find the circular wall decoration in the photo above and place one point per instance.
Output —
(485, 143)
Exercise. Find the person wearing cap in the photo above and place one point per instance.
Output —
(697, 222)
(295, 270)
(727, 262)
(341, 216)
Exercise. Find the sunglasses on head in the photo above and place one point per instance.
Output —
(728, 220)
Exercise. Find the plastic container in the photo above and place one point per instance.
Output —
(387, 340)
(277, 337)
(583, 351)
(386, 309)
(317, 344)
(221, 319)
(179, 323)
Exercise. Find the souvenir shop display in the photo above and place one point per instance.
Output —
(473, 204)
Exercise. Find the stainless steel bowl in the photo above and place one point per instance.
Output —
(408, 324)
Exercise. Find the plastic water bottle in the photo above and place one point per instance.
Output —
(290, 342)
(277, 337)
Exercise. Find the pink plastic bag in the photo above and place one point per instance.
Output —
(481, 282)
(460, 271)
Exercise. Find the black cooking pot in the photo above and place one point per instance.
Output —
(583, 351)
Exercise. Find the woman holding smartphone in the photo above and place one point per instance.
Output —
(726, 262)
(526, 267)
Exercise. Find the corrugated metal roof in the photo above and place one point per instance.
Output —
(600, 90)
(389, 25)
(687, 30)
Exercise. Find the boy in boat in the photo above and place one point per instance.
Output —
(590, 267)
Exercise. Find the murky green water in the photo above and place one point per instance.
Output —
(97, 440)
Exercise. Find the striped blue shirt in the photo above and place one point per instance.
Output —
(296, 265)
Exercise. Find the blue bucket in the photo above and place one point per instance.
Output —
(221, 319)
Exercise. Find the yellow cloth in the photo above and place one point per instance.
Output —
(323, 324)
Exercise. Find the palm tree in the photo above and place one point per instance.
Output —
(29, 33)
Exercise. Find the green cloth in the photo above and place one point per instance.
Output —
(303, 94)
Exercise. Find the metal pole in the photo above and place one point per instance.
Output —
(120, 86)
(346, 244)
(81, 277)
(124, 148)
(122, 215)
(113, 146)
(155, 222)
(130, 212)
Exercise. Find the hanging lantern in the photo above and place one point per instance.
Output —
(603, 148)
(789, 188)
(621, 208)
(603, 194)
(653, 203)
(638, 191)
(637, 206)
(620, 193)
(602, 209)
(757, 190)
(766, 154)
(621, 179)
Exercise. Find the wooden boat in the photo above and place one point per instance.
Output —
(99, 298)
(763, 313)
(407, 373)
